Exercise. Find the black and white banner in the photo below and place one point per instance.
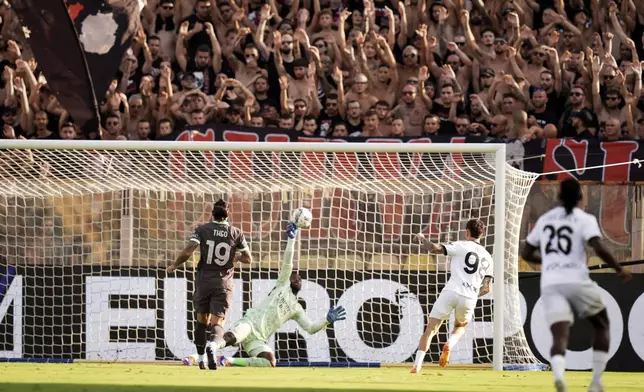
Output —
(105, 313)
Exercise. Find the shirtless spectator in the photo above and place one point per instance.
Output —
(411, 110)
(359, 93)
(505, 69)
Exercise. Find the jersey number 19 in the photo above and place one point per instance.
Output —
(221, 252)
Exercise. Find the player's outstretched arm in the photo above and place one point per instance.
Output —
(430, 246)
(530, 251)
(608, 258)
(333, 315)
(243, 251)
(287, 264)
(244, 257)
(531, 254)
(184, 256)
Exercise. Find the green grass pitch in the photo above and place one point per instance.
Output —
(88, 377)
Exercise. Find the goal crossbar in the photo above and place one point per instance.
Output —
(385, 146)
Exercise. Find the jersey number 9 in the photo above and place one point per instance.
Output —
(471, 263)
(221, 252)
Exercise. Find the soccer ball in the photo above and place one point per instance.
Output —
(302, 218)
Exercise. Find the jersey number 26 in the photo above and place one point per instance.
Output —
(562, 241)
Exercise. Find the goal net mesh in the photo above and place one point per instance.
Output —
(85, 237)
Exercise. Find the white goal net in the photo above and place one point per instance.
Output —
(87, 230)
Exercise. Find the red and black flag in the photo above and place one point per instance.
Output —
(105, 29)
(79, 45)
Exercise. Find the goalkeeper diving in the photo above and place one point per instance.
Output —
(259, 323)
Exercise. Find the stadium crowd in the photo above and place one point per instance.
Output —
(505, 69)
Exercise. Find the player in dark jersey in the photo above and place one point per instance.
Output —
(218, 242)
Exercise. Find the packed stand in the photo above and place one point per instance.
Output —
(517, 69)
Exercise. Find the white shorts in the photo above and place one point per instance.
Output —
(244, 335)
(561, 300)
(449, 301)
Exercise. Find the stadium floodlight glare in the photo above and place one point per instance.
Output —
(85, 211)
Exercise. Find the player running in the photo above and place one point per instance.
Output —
(281, 305)
(470, 277)
(219, 243)
(560, 235)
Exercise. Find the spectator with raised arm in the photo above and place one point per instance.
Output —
(274, 62)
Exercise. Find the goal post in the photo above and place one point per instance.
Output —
(91, 224)
(499, 256)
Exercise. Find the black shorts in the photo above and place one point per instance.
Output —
(215, 299)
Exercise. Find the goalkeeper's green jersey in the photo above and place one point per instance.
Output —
(281, 305)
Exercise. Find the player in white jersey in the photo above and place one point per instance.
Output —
(560, 236)
(470, 277)
(281, 305)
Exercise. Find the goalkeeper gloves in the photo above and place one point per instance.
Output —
(291, 230)
(336, 314)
